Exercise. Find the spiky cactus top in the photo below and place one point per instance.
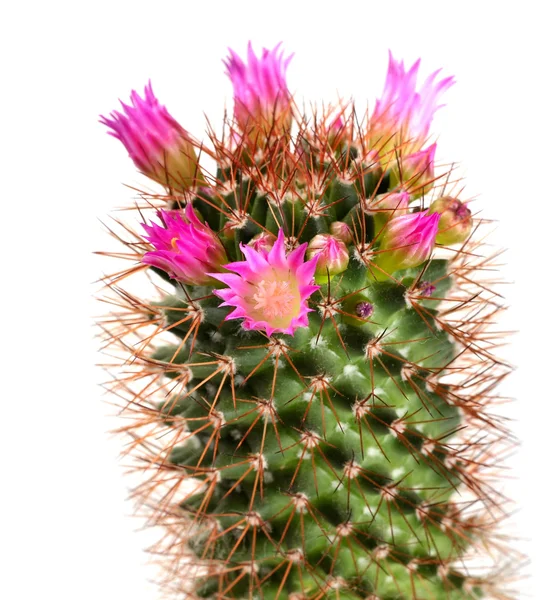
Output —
(308, 389)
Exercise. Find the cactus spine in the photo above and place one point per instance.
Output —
(343, 455)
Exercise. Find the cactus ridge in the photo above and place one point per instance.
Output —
(353, 459)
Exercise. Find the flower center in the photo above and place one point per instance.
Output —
(274, 299)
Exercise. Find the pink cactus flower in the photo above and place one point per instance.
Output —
(261, 97)
(269, 290)
(408, 241)
(405, 112)
(185, 248)
(160, 148)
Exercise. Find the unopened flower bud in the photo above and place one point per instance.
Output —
(341, 231)
(262, 242)
(415, 172)
(332, 256)
(455, 223)
(407, 242)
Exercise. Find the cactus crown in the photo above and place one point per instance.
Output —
(310, 388)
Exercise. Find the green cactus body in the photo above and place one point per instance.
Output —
(344, 461)
(328, 448)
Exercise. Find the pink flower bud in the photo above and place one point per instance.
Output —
(332, 256)
(455, 223)
(262, 242)
(407, 242)
(341, 231)
(415, 172)
(185, 248)
(160, 148)
(262, 102)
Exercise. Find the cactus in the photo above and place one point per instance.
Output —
(308, 389)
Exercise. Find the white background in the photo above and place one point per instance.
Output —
(66, 531)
